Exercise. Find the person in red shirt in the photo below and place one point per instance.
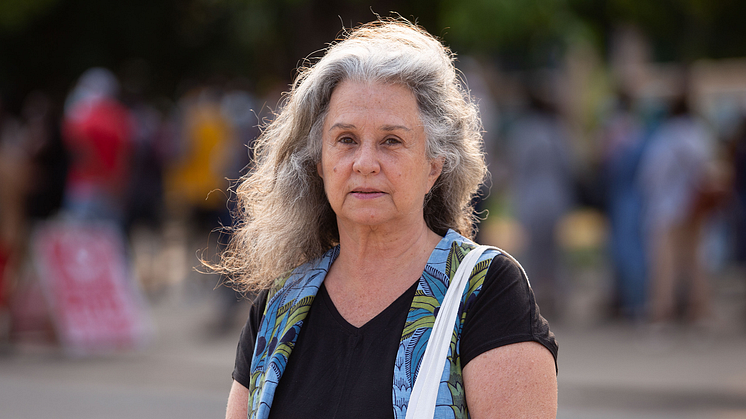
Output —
(97, 130)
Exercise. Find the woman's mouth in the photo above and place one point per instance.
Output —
(366, 193)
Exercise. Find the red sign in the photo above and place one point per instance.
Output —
(95, 303)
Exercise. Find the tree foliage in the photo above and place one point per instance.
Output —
(15, 14)
(48, 43)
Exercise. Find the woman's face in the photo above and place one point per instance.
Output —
(373, 159)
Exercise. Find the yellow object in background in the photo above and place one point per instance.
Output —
(198, 176)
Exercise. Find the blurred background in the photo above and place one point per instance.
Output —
(616, 138)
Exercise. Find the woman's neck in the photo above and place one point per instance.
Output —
(372, 249)
(374, 269)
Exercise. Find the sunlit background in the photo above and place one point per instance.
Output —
(616, 139)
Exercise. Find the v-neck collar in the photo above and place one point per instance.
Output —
(327, 303)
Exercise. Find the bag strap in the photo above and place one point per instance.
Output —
(425, 391)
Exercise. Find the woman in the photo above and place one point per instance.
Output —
(358, 202)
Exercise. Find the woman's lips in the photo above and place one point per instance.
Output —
(366, 193)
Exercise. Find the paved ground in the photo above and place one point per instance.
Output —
(606, 370)
(615, 372)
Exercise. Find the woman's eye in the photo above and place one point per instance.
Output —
(391, 141)
(346, 140)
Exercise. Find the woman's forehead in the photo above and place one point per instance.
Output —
(391, 104)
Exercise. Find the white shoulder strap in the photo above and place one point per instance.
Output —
(425, 391)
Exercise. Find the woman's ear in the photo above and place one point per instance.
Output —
(319, 171)
(436, 168)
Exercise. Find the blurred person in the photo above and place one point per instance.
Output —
(238, 105)
(351, 227)
(478, 76)
(203, 159)
(14, 176)
(32, 172)
(542, 192)
(97, 131)
(82, 252)
(623, 137)
(144, 195)
(49, 159)
(675, 178)
(737, 155)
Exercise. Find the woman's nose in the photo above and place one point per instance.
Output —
(366, 160)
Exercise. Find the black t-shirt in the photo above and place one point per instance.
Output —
(339, 371)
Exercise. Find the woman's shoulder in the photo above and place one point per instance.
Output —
(502, 310)
(454, 247)
(305, 279)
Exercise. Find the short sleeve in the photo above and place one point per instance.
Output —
(504, 312)
(245, 350)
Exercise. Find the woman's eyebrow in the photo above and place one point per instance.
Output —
(395, 127)
(342, 125)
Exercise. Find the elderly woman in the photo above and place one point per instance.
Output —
(352, 224)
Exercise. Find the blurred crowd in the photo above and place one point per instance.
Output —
(639, 196)
(656, 191)
(663, 199)
(159, 173)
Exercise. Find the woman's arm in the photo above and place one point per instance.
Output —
(238, 402)
(513, 381)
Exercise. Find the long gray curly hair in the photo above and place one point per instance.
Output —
(283, 217)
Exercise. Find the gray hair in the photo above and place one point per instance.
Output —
(284, 217)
